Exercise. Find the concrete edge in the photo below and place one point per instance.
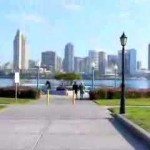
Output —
(134, 128)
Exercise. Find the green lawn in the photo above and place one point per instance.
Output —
(13, 101)
(129, 102)
(2, 106)
(138, 115)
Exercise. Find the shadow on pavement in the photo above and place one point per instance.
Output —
(136, 142)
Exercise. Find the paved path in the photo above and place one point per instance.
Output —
(63, 126)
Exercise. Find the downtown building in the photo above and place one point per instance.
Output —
(20, 57)
(112, 60)
(68, 62)
(93, 58)
(102, 63)
(78, 64)
(49, 60)
(130, 62)
(85, 65)
(139, 65)
(58, 64)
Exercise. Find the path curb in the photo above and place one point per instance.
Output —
(133, 128)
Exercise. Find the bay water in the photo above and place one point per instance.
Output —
(132, 83)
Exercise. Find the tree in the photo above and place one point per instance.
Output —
(67, 76)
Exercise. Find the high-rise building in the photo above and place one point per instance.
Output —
(32, 64)
(69, 58)
(93, 57)
(59, 64)
(149, 57)
(20, 58)
(129, 62)
(102, 63)
(49, 60)
(86, 65)
(139, 65)
(112, 60)
(78, 64)
(132, 61)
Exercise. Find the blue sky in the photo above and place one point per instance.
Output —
(88, 24)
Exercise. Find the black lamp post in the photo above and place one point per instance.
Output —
(123, 40)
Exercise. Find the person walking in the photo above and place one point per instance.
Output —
(48, 85)
(81, 88)
(75, 89)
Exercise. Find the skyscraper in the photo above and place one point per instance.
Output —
(149, 57)
(112, 60)
(93, 57)
(86, 65)
(77, 64)
(129, 62)
(49, 60)
(69, 58)
(102, 63)
(20, 58)
(139, 65)
(59, 64)
(132, 61)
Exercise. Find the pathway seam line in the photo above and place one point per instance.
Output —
(40, 136)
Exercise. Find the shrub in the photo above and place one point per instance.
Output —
(92, 94)
(111, 93)
(22, 92)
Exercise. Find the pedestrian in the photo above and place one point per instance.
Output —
(48, 85)
(81, 89)
(75, 89)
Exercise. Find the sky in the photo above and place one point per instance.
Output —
(88, 24)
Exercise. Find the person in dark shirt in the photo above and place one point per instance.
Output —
(48, 85)
(75, 88)
(81, 89)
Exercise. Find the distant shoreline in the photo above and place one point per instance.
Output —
(34, 78)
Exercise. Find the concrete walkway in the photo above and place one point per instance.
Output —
(63, 126)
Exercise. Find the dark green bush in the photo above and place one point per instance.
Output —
(22, 92)
(111, 93)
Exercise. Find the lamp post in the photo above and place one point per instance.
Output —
(115, 69)
(93, 69)
(38, 73)
(123, 40)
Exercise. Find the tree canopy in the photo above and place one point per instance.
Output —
(67, 76)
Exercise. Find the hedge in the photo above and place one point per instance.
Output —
(115, 93)
(23, 92)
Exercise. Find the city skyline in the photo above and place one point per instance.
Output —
(92, 56)
(97, 25)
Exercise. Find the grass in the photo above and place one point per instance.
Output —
(2, 107)
(13, 101)
(138, 115)
(129, 102)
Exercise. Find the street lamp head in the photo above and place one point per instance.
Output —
(38, 64)
(93, 65)
(123, 39)
(115, 67)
